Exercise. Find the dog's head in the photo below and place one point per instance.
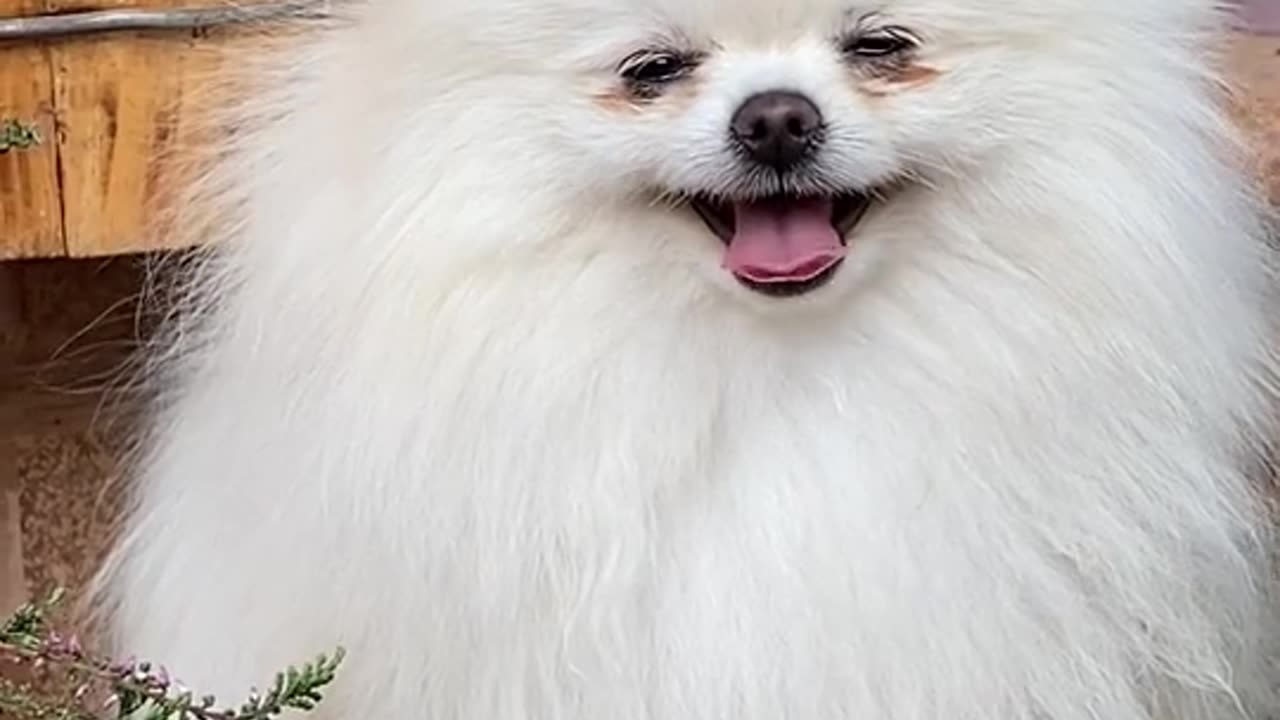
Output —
(761, 138)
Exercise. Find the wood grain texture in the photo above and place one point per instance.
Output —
(131, 105)
(30, 201)
(140, 120)
(121, 100)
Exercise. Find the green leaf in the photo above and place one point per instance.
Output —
(15, 135)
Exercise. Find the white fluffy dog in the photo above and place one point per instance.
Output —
(727, 359)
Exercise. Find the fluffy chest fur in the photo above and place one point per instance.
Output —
(477, 399)
(545, 516)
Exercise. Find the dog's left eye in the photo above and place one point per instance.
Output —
(878, 44)
(651, 68)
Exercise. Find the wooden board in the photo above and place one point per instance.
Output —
(133, 123)
(121, 101)
(131, 106)
(30, 203)
(139, 121)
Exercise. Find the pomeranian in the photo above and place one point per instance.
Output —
(725, 359)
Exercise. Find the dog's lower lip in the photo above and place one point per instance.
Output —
(791, 289)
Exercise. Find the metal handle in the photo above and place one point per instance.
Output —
(97, 21)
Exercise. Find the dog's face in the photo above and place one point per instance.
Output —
(770, 130)
(777, 124)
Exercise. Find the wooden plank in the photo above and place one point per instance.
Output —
(118, 97)
(30, 203)
(134, 108)
(139, 122)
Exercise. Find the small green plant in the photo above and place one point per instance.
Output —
(15, 135)
(74, 684)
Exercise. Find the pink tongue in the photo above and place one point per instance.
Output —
(778, 241)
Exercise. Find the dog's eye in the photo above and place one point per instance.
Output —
(879, 44)
(650, 68)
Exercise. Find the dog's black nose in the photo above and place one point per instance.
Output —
(778, 129)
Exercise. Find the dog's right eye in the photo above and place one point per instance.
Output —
(650, 68)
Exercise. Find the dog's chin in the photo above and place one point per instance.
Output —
(784, 246)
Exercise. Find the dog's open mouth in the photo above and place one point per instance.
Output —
(783, 245)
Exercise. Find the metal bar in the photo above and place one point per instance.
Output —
(98, 21)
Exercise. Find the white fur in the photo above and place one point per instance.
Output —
(457, 393)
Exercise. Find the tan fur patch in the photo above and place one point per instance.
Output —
(618, 100)
(682, 95)
(891, 80)
(671, 100)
